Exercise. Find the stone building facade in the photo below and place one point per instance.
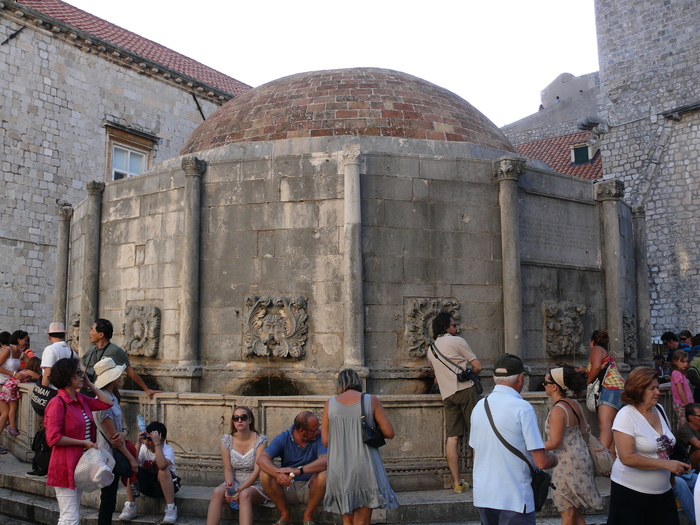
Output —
(71, 86)
(645, 123)
(650, 99)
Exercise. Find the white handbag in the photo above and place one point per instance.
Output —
(94, 470)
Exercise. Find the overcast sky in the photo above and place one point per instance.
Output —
(497, 54)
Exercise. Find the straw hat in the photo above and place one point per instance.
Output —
(107, 371)
(56, 328)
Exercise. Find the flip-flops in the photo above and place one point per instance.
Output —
(3, 450)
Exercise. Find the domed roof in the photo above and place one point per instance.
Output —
(359, 101)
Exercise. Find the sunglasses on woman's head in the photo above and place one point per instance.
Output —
(242, 417)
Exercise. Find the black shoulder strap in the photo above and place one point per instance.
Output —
(663, 413)
(572, 409)
(436, 351)
(502, 440)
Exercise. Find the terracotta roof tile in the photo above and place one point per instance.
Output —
(139, 45)
(556, 152)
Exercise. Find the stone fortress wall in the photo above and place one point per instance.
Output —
(650, 97)
(56, 95)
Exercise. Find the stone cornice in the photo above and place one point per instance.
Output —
(89, 43)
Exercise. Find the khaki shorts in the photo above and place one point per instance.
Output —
(298, 492)
(458, 410)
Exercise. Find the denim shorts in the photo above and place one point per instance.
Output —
(610, 398)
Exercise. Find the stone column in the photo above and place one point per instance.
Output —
(507, 170)
(90, 294)
(189, 371)
(642, 284)
(608, 193)
(60, 289)
(354, 319)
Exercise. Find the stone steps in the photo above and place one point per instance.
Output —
(27, 498)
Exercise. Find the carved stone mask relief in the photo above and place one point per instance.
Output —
(142, 330)
(562, 327)
(274, 326)
(419, 313)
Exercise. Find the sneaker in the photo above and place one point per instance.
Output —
(129, 512)
(461, 487)
(170, 513)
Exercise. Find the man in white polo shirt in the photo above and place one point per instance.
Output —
(502, 490)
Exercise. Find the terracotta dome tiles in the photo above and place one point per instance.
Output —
(363, 101)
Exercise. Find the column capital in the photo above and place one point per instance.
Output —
(508, 168)
(351, 155)
(193, 166)
(639, 212)
(65, 212)
(95, 187)
(609, 190)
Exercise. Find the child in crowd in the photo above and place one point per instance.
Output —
(156, 475)
(9, 393)
(660, 366)
(680, 387)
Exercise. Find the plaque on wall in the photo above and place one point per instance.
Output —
(559, 232)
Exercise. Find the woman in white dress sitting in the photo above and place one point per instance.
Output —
(239, 451)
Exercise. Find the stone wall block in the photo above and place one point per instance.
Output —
(326, 292)
(232, 193)
(478, 294)
(265, 244)
(117, 279)
(222, 172)
(162, 275)
(382, 347)
(310, 188)
(396, 188)
(479, 219)
(464, 193)
(383, 269)
(120, 209)
(399, 214)
(318, 165)
(161, 202)
(163, 250)
(288, 167)
(228, 245)
(390, 294)
(123, 256)
(452, 271)
(452, 245)
(383, 318)
(393, 166)
(301, 242)
(373, 212)
(438, 169)
(330, 213)
(393, 241)
(255, 169)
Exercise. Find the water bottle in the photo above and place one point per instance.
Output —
(231, 489)
(141, 423)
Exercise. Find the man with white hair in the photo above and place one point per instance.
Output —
(502, 490)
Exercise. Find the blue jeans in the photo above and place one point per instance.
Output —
(683, 490)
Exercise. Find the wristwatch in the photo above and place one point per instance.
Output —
(301, 471)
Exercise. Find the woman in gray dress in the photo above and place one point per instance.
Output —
(356, 481)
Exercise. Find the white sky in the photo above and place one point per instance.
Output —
(497, 54)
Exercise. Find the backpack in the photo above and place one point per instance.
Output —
(42, 454)
(693, 372)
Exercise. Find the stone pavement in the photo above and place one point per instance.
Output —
(25, 499)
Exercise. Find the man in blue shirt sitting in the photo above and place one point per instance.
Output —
(302, 475)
